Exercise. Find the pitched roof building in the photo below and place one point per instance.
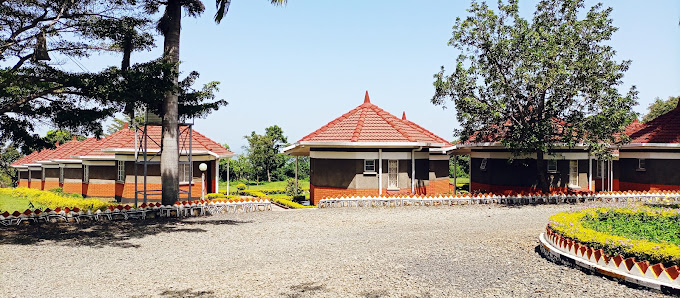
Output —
(370, 151)
(648, 162)
(106, 167)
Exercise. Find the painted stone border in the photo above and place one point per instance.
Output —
(565, 251)
(462, 199)
(179, 209)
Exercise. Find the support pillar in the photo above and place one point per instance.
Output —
(455, 173)
(380, 172)
(590, 173)
(413, 172)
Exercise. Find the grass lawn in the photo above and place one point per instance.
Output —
(263, 185)
(461, 181)
(11, 204)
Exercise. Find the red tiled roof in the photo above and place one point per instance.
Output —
(125, 139)
(663, 129)
(369, 123)
(122, 139)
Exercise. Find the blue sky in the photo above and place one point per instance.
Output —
(304, 64)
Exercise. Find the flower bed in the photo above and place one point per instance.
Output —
(52, 200)
(643, 233)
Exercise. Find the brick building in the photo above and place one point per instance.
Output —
(369, 151)
(106, 167)
(650, 161)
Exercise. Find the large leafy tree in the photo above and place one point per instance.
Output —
(170, 26)
(660, 107)
(36, 37)
(540, 83)
(263, 151)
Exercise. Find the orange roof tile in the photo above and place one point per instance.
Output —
(122, 139)
(663, 129)
(370, 123)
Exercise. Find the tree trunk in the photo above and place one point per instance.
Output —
(541, 170)
(269, 176)
(169, 138)
(125, 65)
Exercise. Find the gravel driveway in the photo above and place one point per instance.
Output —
(409, 251)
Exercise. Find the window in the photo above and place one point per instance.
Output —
(641, 164)
(369, 165)
(552, 166)
(121, 171)
(184, 173)
(86, 174)
(61, 175)
(573, 172)
(482, 166)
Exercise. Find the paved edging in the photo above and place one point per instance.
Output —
(607, 266)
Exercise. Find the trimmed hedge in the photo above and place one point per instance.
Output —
(290, 203)
(577, 226)
(52, 200)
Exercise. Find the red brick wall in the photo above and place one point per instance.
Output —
(643, 186)
(47, 185)
(35, 184)
(438, 187)
(73, 187)
(23, 183)
(598, 184)
(106, 190)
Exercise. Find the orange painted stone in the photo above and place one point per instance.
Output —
(617, 260)
(673, 272)
(658, 269)
(643, 266)
(630, 262)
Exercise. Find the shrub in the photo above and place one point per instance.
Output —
(60, 191)
(53, 200)
(240, 187)
(290, 203)
(212, 196)
(580, 227)
(291, 190)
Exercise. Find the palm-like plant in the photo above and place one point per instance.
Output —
(170, 26)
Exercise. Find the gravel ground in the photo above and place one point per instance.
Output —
(409, 251)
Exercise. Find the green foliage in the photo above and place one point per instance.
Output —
(660, 107)
(8, 175)
(47, 199)
(263, 152)
(537, 83)
(61, 136)
(60, 191)
(641, 242)
(36, 91)
(639, 225)
(461, 168)
(291, 188)
(239, 168)
(290, 203)
(240, 187)
(212, 196)
(288, 169)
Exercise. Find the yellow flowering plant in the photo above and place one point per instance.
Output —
(624, 231)
(47, 199)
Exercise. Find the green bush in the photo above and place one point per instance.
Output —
(53, 200)
(60, 191)
(648, 234)
(290, 204)
(240, 186)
